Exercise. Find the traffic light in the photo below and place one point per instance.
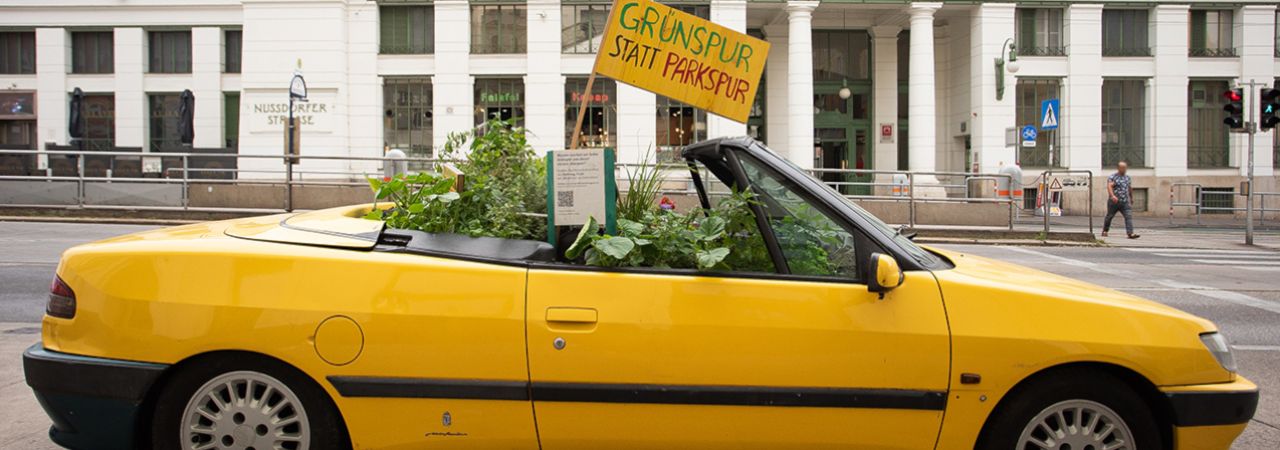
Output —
(1268, 102)
(1234, 108)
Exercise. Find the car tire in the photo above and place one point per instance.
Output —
(1086, 401)
(258, 404)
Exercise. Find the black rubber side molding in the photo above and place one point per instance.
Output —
(641, 393)
(1193, 409)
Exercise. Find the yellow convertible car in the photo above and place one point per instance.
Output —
(325, 330)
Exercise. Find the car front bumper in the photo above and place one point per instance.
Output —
(1211, 416)
(93, 402)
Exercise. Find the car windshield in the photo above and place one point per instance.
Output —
(924, 257)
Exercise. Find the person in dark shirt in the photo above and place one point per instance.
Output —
(1120, 199)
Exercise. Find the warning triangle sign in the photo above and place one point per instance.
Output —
(1055, 185)
(1050, 117)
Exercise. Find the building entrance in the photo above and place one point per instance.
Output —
(842, 127)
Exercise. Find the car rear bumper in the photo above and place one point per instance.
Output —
(93, 402)
(1211, 416)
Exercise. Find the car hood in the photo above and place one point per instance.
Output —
(1032, 284)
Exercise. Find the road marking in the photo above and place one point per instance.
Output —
(1229, 296)
(1189, 250)
(21, 263)
(1261, 269)
(1257, 348)
(1194, 255)
(1234, 262)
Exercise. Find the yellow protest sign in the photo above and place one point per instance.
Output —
(669, 52)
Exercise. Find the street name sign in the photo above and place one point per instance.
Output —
(666, 51)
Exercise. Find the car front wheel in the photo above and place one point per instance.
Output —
(1077, 412)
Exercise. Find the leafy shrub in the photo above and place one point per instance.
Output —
(722, 238)
(644, 184)
(504, 196)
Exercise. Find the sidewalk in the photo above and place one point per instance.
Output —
(1212, 233)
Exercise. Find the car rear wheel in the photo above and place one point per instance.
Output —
(1077, 412)
(212, 407)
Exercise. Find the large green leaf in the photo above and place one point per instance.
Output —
(711, 228)
(615, 246)
(584, 239)
(709, 258)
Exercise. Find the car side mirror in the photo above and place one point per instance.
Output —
(883, 273)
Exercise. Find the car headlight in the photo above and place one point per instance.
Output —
(1221, 351)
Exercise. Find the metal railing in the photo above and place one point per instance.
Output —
(955, 187)
(182, 174)
(176, 168)
(1201, 206)
(1046, 194)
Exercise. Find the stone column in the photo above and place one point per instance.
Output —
(206, 84)
(1082, 104)
(922, 143)
(731, 14)
(53, 61)
(800, 82)
(1167, 137)
(637, 124)
(776, 87)
(131, 97)
(884, 83)
(990, 28)
(364, 87)
(1254, 36)
(544, 86)
(453, 92)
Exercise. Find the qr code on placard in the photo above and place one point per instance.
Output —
(564, 199)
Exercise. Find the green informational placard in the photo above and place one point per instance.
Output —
(581, 185)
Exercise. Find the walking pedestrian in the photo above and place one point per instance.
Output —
(1120, 199)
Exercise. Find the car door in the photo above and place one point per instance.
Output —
(669, 359)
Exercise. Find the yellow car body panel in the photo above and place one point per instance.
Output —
(169, 295)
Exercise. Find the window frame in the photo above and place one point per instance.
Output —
(517, 108)
(1137, 112)
(408, 14)
(420, 85)
(1199, 148)
(609, 109)
(176, 63)
(25, 61)
(669, 147)
(516, 27)
(573, 10)
(1133, 26)
(1198, 30)
(155, 144)
(232, 50)
(1044, 28)
(99, 64)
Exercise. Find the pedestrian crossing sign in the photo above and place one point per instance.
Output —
(1049, 110)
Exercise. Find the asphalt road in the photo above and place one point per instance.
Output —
(1238, 288)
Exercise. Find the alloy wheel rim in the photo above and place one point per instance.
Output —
(1076, 425)
(245, 410)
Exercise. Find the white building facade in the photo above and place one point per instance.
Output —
(848, 84)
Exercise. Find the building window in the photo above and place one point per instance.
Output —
(407, 29)
(1124, 32)
(1207, 136)
(500, 98)
(757, 120)
(1276, 47)
(93, 52)
(233, 45)
(583, 26)
(1123, 122)
(699, 10)
(231, 121)
(17, 52)
(407, 120)
(904, 97)
(170, 51)
(164, 122)
(99, 121)
(1030, 93)
(1039, 32)
(679, 125)
(840, 55)
(601, 121)
(498, 28)
(1211, 33)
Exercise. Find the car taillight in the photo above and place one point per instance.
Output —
(62, 300)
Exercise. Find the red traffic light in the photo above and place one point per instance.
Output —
(1234, 95)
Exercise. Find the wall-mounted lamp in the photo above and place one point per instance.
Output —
(845, 93)
(1000, 66)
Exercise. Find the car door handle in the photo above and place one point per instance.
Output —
(568, 315)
